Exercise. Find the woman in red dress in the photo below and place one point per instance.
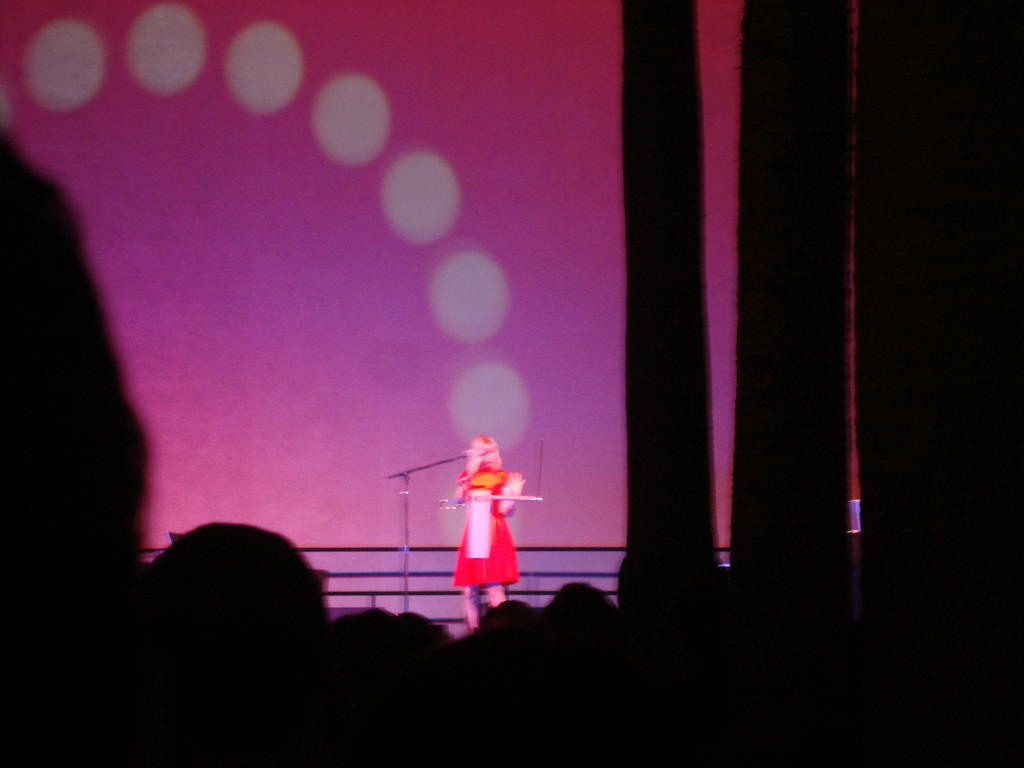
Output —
(483, 472)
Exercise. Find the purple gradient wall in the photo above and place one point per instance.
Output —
(336, 239)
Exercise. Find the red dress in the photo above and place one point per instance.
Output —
(501, 566)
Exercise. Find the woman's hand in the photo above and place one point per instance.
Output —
(514, 485)
(462, 484)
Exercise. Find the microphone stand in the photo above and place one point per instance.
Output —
(404, 493)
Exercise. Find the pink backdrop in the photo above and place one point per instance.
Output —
(336, 239)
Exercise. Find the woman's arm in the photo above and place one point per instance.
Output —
(462, 483)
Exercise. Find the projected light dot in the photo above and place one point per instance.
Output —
(351, 119)
(490, 399)
(264, 67)
(64, 65)
(166, 48)
(469, 296)
(421, 196)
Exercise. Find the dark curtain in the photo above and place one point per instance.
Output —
(938, 317)
(789, 598)
(669, 530)
(667, 587)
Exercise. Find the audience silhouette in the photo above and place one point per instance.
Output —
(237, 651)
(77, 469)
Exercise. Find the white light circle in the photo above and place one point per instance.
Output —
(469, 296)
(351, 119)
(421, 196)
(490, 399)
(264, 67)
(64, 65)
(166, 48)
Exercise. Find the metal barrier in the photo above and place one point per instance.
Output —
(381, 565)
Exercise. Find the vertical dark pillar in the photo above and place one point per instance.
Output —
(669, 531)
(789, 606)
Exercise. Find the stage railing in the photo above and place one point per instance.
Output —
(525, 574)
(361, 578)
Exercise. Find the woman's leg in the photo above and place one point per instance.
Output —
(469, 608)
(495, 595)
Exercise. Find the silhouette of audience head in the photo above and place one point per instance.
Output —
(510, 614)
(582, 612)
(238, 636)
(79, 465)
